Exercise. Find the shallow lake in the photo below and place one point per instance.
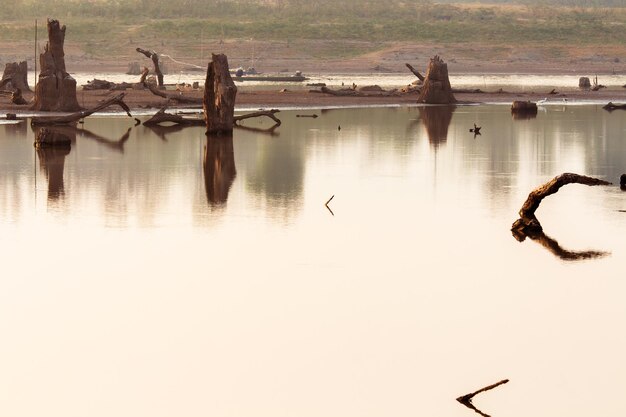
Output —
(166, 274)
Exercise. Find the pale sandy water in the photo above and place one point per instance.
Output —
(157, 277)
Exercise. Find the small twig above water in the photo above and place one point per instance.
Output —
(466, 399)
(331, 212)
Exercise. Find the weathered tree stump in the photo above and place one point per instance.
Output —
(584, 82)
(219, 96)
(155, 60)
(436, 89)
(17, 73)
(56, 89)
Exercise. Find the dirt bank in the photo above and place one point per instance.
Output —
(142, 100)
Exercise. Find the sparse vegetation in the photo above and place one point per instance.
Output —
(101, 25)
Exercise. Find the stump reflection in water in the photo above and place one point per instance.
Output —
(219, 168)
(436, 121)
(52, 158)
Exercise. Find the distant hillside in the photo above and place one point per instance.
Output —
(102, 27)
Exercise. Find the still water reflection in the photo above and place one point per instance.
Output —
(155, 272)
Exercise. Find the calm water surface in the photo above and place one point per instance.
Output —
(161, 274)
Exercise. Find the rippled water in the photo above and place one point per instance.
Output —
(163, 273)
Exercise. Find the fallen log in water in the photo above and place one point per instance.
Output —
(75, 117)
(260, 113)
(162, 117)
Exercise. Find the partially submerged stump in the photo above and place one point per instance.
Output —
(524, 108)
(436, 89)
(219, 97)
(56, 89)
(17, 74)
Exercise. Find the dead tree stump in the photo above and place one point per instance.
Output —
(17, 74)
(219, 97)
(436, 89)
(56, 89)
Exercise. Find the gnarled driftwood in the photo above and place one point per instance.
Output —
(528, 223)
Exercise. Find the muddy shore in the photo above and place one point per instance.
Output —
(144, 101)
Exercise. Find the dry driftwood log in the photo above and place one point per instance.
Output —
(219, 96)
(155, 60)
(97, 84)
(75, 117)
(415, 72)
(366, 91)
(56, 89)
(436, 89)
(528, 224)
(16, 75)
(176, 97)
